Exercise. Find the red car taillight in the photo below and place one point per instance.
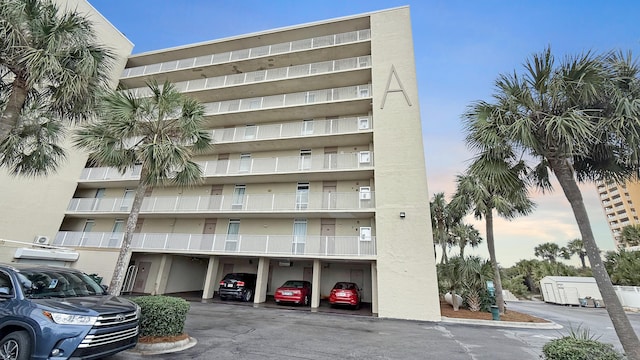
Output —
(240, 283)
(222, 283)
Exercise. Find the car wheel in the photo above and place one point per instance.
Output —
(16, 346)
(306, 300)
(248, 294)
(357, 307)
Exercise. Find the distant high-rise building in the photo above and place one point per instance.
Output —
(619, 203)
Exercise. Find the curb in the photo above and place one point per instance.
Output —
(511, 324)
(164, 347)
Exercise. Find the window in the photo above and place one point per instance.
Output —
(299, 236)
(238, 197)
(231, 242)
(116, 233)
(127, 200)
(309, 97)
(305, 160)
(98, 197)
(302, 196)
(245, 163)
(250, 132)
(6, 287)
(88, 227)
(307, 127)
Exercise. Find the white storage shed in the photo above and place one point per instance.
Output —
(568, 290)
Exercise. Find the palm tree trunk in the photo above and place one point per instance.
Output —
(443, 244)
(462, 252)
(494, 261)
(624, 330)
(584, 265)
(11, 114)
(122, 263)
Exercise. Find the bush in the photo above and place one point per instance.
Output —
(579, 345)
(162, 315)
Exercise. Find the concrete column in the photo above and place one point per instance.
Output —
(315, 284)
(262, 280)
(210, 278)
(163, 275)
(374, 287)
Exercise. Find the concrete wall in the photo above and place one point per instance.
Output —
(405, 245)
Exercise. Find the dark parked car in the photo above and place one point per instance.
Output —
(346, 293)
(239, 286)
(294, 291)
(51, 312)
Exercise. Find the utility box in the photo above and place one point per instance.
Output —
(568, 290)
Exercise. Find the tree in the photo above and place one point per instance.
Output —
(160, 133)
(578, 120)
(624, 267)
(630, 235)
(550, 251)
(51, 71)
(443, 218)
(576, 247)
(463, 235)
(493, 185)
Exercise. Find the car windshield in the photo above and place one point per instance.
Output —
(46, 283)
(294, 284)
(345, 286)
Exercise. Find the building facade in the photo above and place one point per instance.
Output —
(317, 171)
(618, 204)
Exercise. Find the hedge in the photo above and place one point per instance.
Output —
(571, 348)
(162, 315)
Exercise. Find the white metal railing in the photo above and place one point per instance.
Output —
(291, 99)
(296, 202)
(263, 75)
(292, 129)
(267, 50)
(308, 245)
(254, 166)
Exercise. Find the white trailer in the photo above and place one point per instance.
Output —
(568, 290)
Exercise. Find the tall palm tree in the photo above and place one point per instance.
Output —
(160, 133)
(630, 235)
(51, 70)
(465, 234)
(493, 185)
(578, 120)
(576, 247)
(443, 219)
(550, 251)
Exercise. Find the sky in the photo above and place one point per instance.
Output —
(460, 49)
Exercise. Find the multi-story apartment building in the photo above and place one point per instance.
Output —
(317, 171)
(618, 204)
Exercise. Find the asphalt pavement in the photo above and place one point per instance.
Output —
(245, 331)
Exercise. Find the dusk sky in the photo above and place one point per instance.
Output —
(460, 49)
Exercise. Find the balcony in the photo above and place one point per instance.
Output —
(224, 244)
(251, 53)
(254, 77)
(355, 162)
(251, 204)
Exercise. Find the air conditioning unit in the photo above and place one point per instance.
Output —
(41, 240)
(363, 123)
(365, 193)
(365, 233)
(364, 157)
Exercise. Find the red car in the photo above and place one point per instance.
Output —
(294, 291)
(346, 293)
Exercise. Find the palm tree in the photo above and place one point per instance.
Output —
(624, 267)
(578, 120)
(550, 251)
(463, 235)
(576, 247)
(493, 185)
(630, 236)
(160, 133)
(443, 219)
(51, 70)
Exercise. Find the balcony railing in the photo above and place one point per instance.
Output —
(267, 50)
(292, 99)
(254, 166)
(289, 245)
(292, 129)
(282, 202)
(251, 77)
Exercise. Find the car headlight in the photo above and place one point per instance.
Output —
(68, 319)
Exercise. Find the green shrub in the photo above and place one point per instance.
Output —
(162, 315)
(579, 345)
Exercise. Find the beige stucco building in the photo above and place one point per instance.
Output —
(618, 202)
(317, 171)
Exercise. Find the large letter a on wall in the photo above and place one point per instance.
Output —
(397, 88)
